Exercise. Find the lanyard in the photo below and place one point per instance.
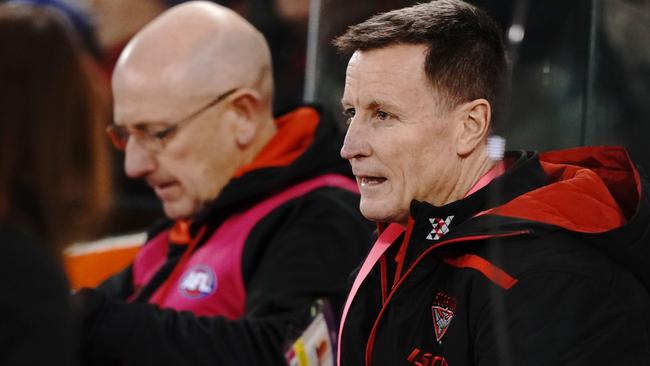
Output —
(387, 237)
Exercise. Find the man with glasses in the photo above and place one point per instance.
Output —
(263, 216)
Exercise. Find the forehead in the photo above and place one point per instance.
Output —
(386, 72)
(154, 84)
(144, 98)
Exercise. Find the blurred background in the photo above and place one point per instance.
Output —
(580, 69)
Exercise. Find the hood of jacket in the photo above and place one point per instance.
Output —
(588, 190)
(597, 192)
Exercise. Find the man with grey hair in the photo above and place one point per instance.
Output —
(533, 259)
(263, 217)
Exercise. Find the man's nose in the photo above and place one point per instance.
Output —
(138, 161)
(356, 143)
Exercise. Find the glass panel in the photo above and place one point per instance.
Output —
(548, 74)
(618, 109)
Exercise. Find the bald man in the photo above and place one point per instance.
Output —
(263, 216)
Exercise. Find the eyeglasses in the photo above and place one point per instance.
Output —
(150, 138)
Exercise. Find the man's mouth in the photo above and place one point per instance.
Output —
(165, 190)
(370, 181)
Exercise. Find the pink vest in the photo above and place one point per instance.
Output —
(211, 282)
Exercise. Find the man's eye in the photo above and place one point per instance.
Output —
(349, 114)
(164, 133)
(381, 115)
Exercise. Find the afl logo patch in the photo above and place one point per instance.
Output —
(199, 281)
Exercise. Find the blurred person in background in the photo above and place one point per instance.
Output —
(116, 21)
(75, 18)
(54, 180)
(263, 216)
(529, 259)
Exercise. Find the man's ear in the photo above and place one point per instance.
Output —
(246, 106)
(475, 124)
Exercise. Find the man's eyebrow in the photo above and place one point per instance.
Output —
(150, 124)
(379, 103)
(374, 104)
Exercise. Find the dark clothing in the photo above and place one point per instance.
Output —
(37, 326)
(549, 264)
(302, 250)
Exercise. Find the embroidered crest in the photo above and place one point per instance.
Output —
(199, 281)
(440, 227)
(442, 312)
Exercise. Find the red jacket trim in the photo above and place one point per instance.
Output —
(489, 270)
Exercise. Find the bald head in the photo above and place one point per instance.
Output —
(190, 54)
(202, 64)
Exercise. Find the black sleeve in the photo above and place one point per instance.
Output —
(303, 251)
(563, 318)
(118, 286)
(321, 240)
(37, 327)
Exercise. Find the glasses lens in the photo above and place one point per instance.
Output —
(118, 135)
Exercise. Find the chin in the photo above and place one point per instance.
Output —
(377, 212)
(177, 210)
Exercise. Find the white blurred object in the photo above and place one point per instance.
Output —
(314, 347)
(316, 344)
(496, 147)
(516, 33)
(106, 244)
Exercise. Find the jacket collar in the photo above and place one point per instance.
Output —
(524, 174)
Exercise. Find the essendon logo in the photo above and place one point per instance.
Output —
(442, 312)
(199, 281)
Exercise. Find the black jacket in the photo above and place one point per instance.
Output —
(303, 250)
(37, 326)
(549, 264)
